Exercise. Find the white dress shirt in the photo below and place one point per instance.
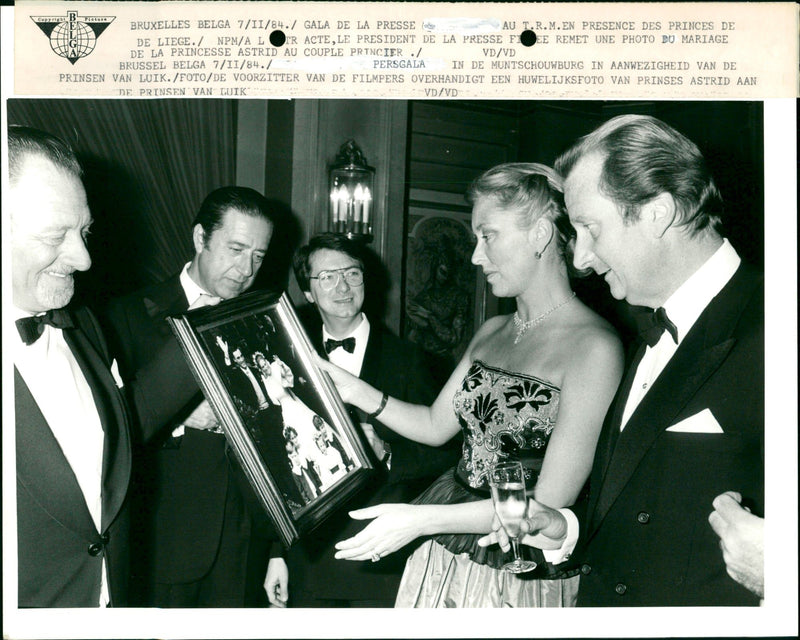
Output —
(350, 362)
(260, 397)
(331, 467)
(683, 308)
(353, 363)
(63, 395)
(194, 292)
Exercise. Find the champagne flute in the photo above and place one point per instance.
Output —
(507, 482)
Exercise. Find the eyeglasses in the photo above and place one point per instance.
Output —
(328, 280)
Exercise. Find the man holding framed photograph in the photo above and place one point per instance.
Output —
(204, 541)
(330, 270)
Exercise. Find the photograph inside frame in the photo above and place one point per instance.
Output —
(282, 416)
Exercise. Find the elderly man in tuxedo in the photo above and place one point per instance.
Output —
(72, 520)
(204, 541)
(72, 422)
(330, 272)
(687, 423)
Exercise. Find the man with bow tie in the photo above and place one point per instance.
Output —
(203, 540)
(687, 424)
(330, 270)
(72, 422)
(72, 518)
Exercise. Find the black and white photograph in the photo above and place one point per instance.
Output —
(396, 354)
(292, 435)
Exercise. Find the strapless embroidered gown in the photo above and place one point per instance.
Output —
(503, 415)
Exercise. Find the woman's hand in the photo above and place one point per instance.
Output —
(346, 384)
(393, 527)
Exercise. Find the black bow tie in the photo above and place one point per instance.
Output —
(348, 344)
(652, 325)
(32, 327)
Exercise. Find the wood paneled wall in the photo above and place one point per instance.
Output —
(450, 144)
(379, 127)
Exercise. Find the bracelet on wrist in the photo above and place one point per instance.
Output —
(382, 406)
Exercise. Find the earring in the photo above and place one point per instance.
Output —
(538, 255)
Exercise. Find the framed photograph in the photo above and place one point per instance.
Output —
(280, 412)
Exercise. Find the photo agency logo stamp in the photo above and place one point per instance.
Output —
(72, 37)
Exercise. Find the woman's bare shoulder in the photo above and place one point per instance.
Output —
(490, 328)
(592, 337)
(486, 335)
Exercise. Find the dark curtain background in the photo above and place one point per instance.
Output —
(148, 165)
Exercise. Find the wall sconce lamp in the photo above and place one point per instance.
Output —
(351, 193)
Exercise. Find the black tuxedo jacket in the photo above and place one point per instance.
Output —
(645, 533)
(59, 548)
(401, 369)
(241, 386)
(182, 483)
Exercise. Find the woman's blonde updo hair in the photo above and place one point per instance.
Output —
(533, 190)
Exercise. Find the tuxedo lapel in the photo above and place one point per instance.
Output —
(113, 418)
(609, 434)
(701, 353)
(371, 366)
(165, 300)
(670, 393)
(314, 330)
(42, 467)
(614, 416)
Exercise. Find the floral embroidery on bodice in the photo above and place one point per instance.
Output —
(503, 415)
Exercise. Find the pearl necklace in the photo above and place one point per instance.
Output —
(522, 327)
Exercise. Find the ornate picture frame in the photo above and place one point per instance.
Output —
(281, 414)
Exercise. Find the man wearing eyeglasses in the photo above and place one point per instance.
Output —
(330, 270)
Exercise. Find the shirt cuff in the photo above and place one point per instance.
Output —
(177, 432)
(563, 553)
(115, 374)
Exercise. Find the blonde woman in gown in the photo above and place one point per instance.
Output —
(532, 386)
